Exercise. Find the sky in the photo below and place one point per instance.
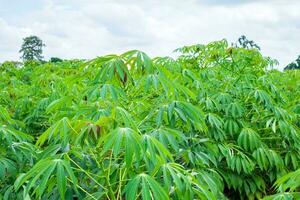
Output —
(90, 28)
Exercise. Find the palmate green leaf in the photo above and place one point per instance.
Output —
(59, 103)
(90, 132)
(236, 160)
(60, 132)
(10, 135)
(154, 151)
(173, 89)
(240, 162)
(234, 110)
(168, 136)
(281, 114)
(39, 177)
(124, 116)
(138, 60)
(223, 98)
(292, 159)
(184, 186)
(263, 97)
(283, 196)
(249, 139)
(266, 158)
(296, 109)
(8, 193)
(189, 94)
(232, 179)
(217, 134)
(118, 66)
(97, 62)
(198, 156)
(7, 167)
(113, 68)
(45, 180)
(166, 83)
(272, 123)
(210, 104)
(114, 91)
(106, 91)
(150, 81)
(94, 112)
(214, 120)
(231, 126)
(190, 74)
(147, 185)
(175, 179)
(24, 151)
(186, 112)
(143, 60)
(288, 130)
(161, 115)
(211, 178)
(49, 151)
(275, 160)
(4, 116)
(290, 181)
(167, 62)
(253, 186)
(123, 139)
(202, 192)
(261, 156)
(61, 180)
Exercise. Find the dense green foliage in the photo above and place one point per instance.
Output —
(55, 60)
(32, 48)
(243, 42)
(293, 65)
(213, 123)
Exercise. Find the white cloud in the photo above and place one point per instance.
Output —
(10, 40)
(87, 28)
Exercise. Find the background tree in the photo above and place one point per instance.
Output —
(293, 65)
(55, 60)
(243, 42)
(32, 48)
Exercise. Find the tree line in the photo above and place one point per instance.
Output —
(32, 49)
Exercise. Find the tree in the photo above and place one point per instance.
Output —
(243, 42)
(293, 65)
(32, 48)
(55, 60)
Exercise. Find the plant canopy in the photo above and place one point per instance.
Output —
(214, 123)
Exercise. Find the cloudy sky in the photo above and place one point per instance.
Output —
(88, 28)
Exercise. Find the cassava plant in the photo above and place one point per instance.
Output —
(213, 123)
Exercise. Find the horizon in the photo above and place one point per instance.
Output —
(87, 29)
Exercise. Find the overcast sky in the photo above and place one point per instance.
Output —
(88, 28)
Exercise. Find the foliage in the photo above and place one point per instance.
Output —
(32, 48)
(213, 123)
(293, 65)
(55, 60)
(243, 42)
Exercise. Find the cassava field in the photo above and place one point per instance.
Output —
(215, 123)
